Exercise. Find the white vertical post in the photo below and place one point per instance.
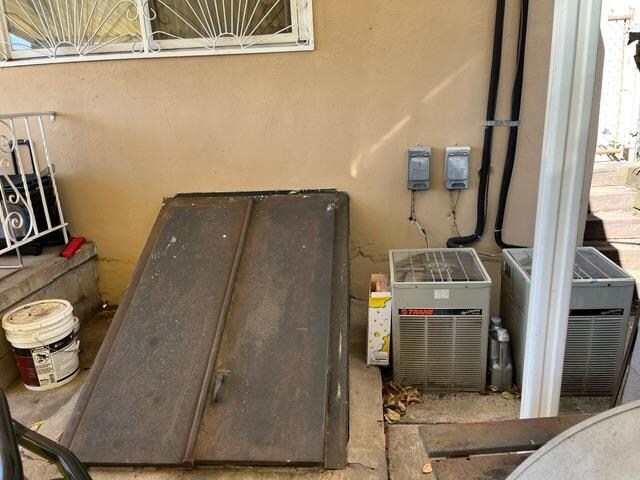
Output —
(576, 29)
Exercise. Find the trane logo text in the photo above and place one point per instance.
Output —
(423, 312)
(417, 311)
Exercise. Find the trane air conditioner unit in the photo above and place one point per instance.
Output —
(599, 318)
(440, 318)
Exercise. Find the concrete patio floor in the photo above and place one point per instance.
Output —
(398, 455)
(49, 411)
(406, 453)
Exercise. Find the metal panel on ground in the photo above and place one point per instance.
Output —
(270, 403)
(482, 467)
(482, 438)
(227, 348)
(139, 404)
(337, 425)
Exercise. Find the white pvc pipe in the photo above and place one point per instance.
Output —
(576, 29)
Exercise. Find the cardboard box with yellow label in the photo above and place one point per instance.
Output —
(379, 325)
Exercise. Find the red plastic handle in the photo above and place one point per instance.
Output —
(72, 247)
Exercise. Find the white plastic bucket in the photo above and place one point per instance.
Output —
(44, 337)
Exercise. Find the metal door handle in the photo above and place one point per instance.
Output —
(220, 378)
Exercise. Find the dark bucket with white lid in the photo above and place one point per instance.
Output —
(44, 337)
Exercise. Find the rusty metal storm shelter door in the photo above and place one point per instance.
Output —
(230, 345)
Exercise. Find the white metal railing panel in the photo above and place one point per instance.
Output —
(29, 202)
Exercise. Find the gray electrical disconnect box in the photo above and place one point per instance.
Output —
(418, 172)
(456, 167)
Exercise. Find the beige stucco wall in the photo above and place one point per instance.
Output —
(385, 75)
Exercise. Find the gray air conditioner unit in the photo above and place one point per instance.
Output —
(599, 317)
(440, 318)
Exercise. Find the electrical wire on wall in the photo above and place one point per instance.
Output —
(485, 169)
(516, 103)
(413, 219)
(454, 209)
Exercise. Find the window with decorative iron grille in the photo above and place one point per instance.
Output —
(48, 31)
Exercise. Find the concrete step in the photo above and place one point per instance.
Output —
(624, 253)
(612, 198)
(633, 177)
(47, 276)
(613, 225)
(609, 174)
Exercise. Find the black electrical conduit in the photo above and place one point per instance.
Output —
(485, 169)
(516, 102)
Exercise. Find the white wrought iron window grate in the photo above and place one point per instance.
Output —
(51, 31)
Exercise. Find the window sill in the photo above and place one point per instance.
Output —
(199, 52)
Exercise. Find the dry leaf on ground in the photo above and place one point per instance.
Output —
(391, 416)
(35, 426)
(396, 398)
